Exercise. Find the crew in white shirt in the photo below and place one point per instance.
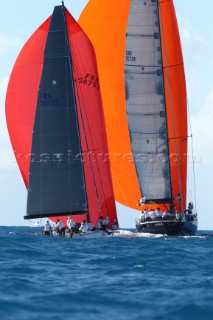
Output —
(105, 222)
(166, 215)
(60, 228)
(99, 222)
(178, 216)
(84, 227)
(146, 215)
(115, 225)
(70, 223)
(71, 226)
(47, 228)
(90, 226)
(153, 214)
(142, 216)
(158, 213)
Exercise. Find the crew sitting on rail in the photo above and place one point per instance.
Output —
(190, 207)
(189, 215)
(99, 222)
(147, 215)
(115, 225)
(91, 226)
(153, 215)
(178, 216)
(83, 227)
(142, 217)
(158, 213)
(166, 215)
(105, 223)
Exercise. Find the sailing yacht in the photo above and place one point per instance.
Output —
(143, 86)
(56, 124)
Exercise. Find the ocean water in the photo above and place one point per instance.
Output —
(127, 277)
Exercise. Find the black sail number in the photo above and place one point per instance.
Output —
(89, 80)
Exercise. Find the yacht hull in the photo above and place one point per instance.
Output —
(167, 227)
(87, 235)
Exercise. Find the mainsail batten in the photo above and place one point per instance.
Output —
(145, 94)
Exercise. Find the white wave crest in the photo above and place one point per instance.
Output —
(130, 234)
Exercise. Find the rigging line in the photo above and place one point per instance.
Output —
(189, 192)
(87, 145)
(189, 187)
(194, 179)
(173, 65)
(180, 137)
(99, 174)
(172, 112)
(116, 180)
(90, 160)
(67, 102)
(193, 162)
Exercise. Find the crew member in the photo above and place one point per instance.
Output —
(84, 227)
(47, 228)
(60, 228)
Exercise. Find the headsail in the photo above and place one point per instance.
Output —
(147, 124)
(56, 123)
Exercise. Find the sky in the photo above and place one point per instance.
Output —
(19, 19)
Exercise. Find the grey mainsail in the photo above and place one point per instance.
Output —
(145, 101)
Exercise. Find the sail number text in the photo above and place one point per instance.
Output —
(89, 80)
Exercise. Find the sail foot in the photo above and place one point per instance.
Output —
(158, 201)
(44, 215)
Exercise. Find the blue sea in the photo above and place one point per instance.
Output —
(130, 276)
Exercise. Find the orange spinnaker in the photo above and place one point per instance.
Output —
(105, 24)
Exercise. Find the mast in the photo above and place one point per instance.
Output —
(71, 68)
